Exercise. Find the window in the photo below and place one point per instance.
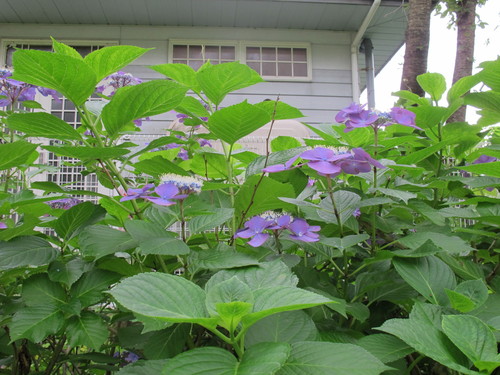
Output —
(195, 55)
(273, 61)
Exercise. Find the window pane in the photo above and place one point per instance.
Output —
(180, 52)
(299, 54)
(228, 53)
(284, 54)
(299, 70)
(84, 51)
(268, 68)
(212, 53)
(69, 116)
(255, 66)
(269, 53)
(284, 69)
(253, 53)
(180, 61)
(195, 52)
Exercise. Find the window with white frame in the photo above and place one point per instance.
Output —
(273, 61)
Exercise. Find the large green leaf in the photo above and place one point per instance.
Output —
(345, 202)
(139, 101)
(216, 259)
(462, 86)
(66, 273)
(72, 221)
(168, 297)
(429, 276)
(15, 154)
(450, 244)
(69, 75)
(107, 60)
(217, 81)
(41, 124)
(468, 295)
(262, 359)
(422, 331)
(474, 338)
(88, 330)
(90, 287)
(181, 73)
(289, 326)
(158, 166)
(231, 290)
(100, 240)
(214, 219)
(39, 290)
(237, 121)
(387, 348)
(143, 367)
(167, 343)
(489, 169)
(64, 49)
(25, 252)
(489, 100)
(343, 243)
(326, 358)
(279, 110)
(433, 83)
(36, 323)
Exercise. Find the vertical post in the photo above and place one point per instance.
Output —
(370, 72)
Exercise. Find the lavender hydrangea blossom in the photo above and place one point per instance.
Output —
(166, 193)
(64, 203)
(137, 193)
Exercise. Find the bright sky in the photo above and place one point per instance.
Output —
(442, 54)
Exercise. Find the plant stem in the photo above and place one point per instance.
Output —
(413, 364)
(55, 356)
(335, 210)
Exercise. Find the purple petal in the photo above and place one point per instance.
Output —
(244, 233)
(258, 224)
(167, 191)
(275, 168)
(3, 225)
(258, 240)
(355, 166)
(324, 167)
(160, 201)
(319, 153)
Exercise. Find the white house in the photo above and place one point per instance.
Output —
(315, 54)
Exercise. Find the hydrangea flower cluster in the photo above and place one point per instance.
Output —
(258, 227)
(172, 187)
(115, 81)
(64, 203)
(330, 163)
(355, 116)
(16, 91)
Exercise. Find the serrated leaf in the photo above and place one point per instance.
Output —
(405, 196)
(345, 202)
(41, 124)
(143, 367)
(164, 296)
(139, 101)
(66, 273)
(343, 243)
(158, 166)
(15, 154)
(217, 218)
(167, 343)
(468, 295)
(432, 83)
(26, 252)
(72, 221)
(489, 169)
(279, 157)
(39, 290)
(100, 240)
(36, 323)
(90, 287)
(64, 49)
(237, 121)
(216, 259)
(427, 275)
(326, 358)
(386, 348)
(70, 76)
(279, 110)
(232, 290)
(107, 60)
(88, 330)
(181, 73)
(450, 244)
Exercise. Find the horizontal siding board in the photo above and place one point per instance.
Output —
(156, 56)
(299, 89)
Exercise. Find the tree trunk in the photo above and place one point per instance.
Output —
(417, 44)
(466, 32)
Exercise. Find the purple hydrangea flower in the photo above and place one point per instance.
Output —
(166, 192)
(204, 142)
(50, 92)
(302, 231)
(344, 114)
(281, 167)
(3, 225)
(360, 162)
(137, 193)
(64, 203)
(130, 357)
(404, 117)
(484, 159)
(117, 80)
(183, 154)
(255, 228)
(322, 160)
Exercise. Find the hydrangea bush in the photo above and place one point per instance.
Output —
(371, 248)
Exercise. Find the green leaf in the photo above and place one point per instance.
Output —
(41, 124)
(468, 295)
(427, 248)
(237, 121)
(474, 338)
(181, 73)
(26, 252)
(386, 348)
(268, 274)
(420, 155)
(64, 49)
(143, 367)
(266, 358)
(279, 110)
(433, 84)
(345, 242)
(489, 100)
(88, 330)
(66, 273)
(345, 202)
(139, 101)
(279, 157)
(158, 166)
(217, 258)
(427, 275)
(84, 153)
(231, 313)
(68, 75)
(100, 240)
(167, 343)
(214, 219)
(72, 221)
(15, 154)
(108, 60)
(39, 290)
(405, 196)
(217, 81)
(90, 287)
(164, 296)
(326, 358)
(284, 143)
(289, 327)
(489, 169)
(450, 244)
(36, 323)
(232, 290)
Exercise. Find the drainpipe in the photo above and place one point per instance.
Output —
(367, 48)
(355, 48)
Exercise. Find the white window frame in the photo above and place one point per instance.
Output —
(240, 50)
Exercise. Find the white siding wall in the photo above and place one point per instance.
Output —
(329, 90)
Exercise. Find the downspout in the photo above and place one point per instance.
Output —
(355, 48)
(367, 48)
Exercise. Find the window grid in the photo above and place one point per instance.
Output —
(195, 55)
(277, 61)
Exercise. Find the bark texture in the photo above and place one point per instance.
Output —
(464, 58)
(417, 44)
